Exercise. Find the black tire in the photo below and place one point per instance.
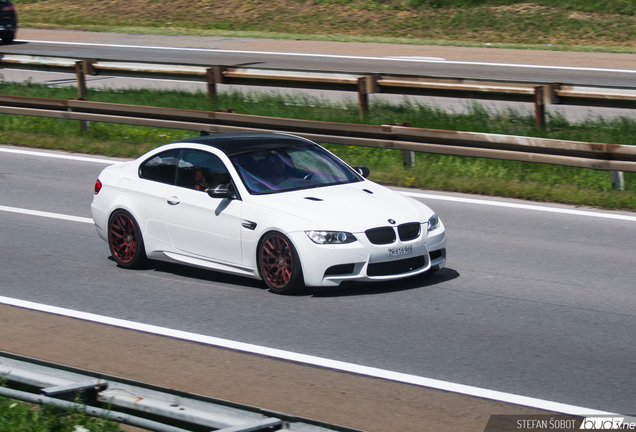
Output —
(279, 264)
(125, 240)
(7, 40)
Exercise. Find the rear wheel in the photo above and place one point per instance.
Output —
(125, 240)
(279, 264)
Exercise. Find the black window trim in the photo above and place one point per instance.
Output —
(176, 173)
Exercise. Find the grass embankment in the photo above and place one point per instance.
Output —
(606, 25)
(16, 416)
(450, 173)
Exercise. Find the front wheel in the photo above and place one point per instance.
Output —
(279, 264)
(125, 240)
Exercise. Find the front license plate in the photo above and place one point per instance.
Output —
(404, 250)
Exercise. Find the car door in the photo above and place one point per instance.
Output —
(197, 223)
(147, 195)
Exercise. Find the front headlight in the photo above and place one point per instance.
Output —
(433, 222)
(331, 237)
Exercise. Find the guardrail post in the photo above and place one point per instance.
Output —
(408, 158)
(366, 85)
(539, 107)
(543, 96)
(213, 76)
(88, 68)
(81, 80)
(550, 94)
(82, 93)
(618, 180)
(363, 97)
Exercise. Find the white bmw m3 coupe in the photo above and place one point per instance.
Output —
(269, 206)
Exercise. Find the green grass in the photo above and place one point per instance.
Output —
(622, 7)
(17, 416)
(539, 182)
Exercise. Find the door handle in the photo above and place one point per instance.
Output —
(173, 200)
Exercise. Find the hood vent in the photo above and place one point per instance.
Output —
(313, 199)
(368, 191)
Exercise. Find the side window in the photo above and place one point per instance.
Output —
(201, 170)
(161, 168)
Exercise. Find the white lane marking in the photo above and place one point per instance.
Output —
(59, 156)
(431, 59)
(274, 53)
(46, 214)
(310, 360)
(521, 206)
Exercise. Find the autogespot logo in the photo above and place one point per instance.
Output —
(607, 423)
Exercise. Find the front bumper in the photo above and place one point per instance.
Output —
(330, 265)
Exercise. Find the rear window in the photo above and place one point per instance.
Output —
(161, 168)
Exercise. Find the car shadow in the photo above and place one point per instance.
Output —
(366, 288)
(345, 289)
(199, 274)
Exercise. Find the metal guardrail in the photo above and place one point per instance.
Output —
(364, 83)
(139, 404)
(609, 157)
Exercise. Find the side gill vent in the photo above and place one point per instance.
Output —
(368, 191)
(313, 199)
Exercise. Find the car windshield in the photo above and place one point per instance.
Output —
(289, 168)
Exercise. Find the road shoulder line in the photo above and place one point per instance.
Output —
(310, 360)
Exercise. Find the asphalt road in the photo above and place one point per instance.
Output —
(481, 63)
(535, 303)
(485, 63)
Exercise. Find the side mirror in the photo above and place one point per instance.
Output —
(362, 170)
(225, 190)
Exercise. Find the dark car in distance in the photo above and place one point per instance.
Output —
(8, 21)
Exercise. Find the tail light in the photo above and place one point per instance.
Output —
(98, 186)
(8, 8)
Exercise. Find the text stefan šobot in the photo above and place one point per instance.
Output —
(552, 423)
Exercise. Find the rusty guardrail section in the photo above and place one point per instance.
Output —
(364, 83)
(610, 157)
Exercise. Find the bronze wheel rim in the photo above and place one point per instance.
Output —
(277, 262)
(123, 238)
